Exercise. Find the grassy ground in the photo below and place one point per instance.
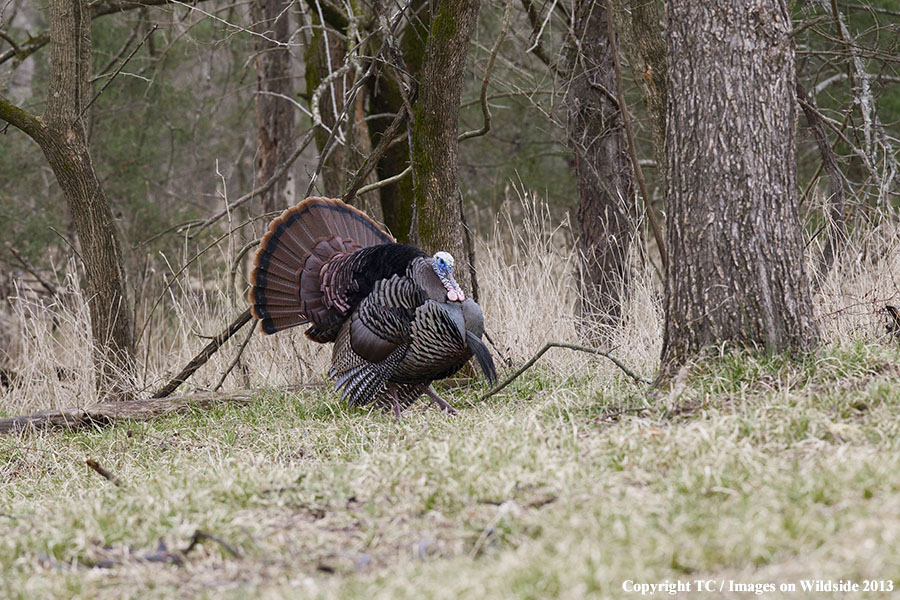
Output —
(755, 471)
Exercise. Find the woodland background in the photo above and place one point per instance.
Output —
(747, 466)
(174, 122)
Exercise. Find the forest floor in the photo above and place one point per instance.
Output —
(749, 471)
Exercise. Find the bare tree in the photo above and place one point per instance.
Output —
(61, 135)
(596, 135)
(736, 270)
(438, 220)
(274, 92)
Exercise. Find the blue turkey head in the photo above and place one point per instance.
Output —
(442, 263)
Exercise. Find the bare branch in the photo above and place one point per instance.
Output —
(21, 119)
(354, 188)
(119, 70)
(280, 171)
(98, 8)
(34, 273)
(384, 182)
(11, 41)
(485, 110)
(237, 357)
(537, 47)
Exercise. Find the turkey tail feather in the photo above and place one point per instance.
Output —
(278, 297)
(485, 360)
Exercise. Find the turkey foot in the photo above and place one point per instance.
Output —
(440, 401)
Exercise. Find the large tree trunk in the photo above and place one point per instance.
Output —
(64, 143)
(274, 113)
(437, 223)
(736, 270)
(596, 135)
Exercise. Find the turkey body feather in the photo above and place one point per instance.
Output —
(396, 316)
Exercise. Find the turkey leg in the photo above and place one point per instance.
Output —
(440, 401)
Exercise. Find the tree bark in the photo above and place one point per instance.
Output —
(274, 113)
(649, 42)
(596, 135)
(63, 139)
(386, 98)
(437, 223)
(736, 269)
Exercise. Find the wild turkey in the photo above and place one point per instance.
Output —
(396, 316)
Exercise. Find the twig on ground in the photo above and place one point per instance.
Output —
(200, 536)
(205, 354)
(93, 464)
(549, 345)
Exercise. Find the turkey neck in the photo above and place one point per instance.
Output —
(421, 271)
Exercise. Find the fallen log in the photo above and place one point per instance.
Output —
(108, 413)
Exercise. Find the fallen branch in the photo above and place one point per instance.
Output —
(93, 464)
(204, 355)
(549, 345)
(200, 536)
(109, 413)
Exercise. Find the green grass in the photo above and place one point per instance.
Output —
(759, 470)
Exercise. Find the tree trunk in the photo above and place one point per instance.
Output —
(386, 98)
(649, 44)
(437, 220)
(274, 113)
(596, 135)
(64, 143)
(736, 269)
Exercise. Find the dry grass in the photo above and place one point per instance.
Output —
(756, 470)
